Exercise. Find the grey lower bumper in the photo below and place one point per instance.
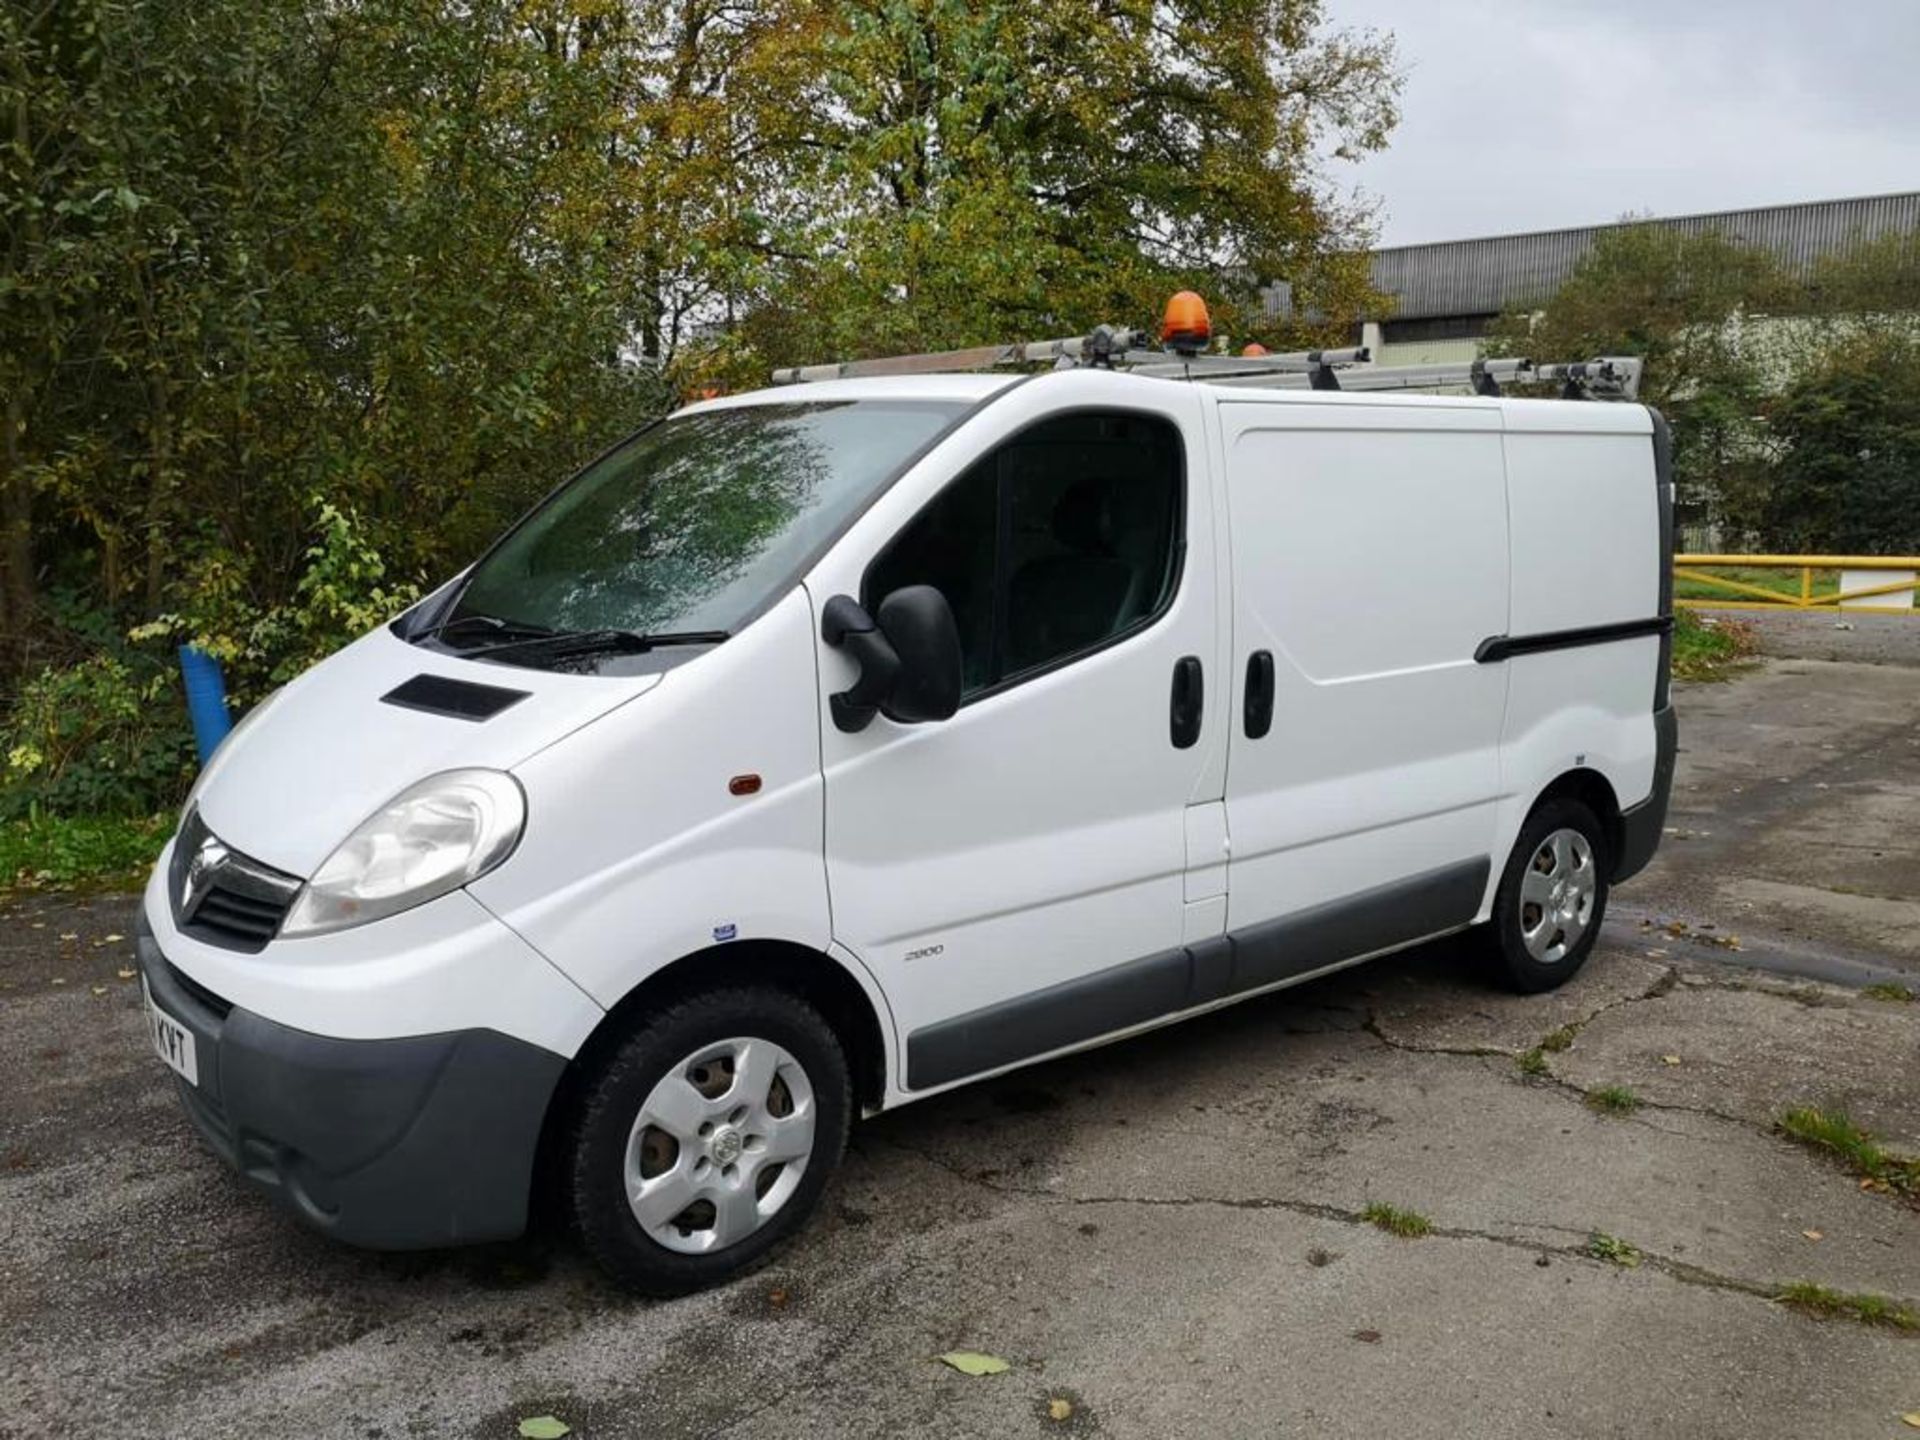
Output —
(1641, 825)
(391, 1144)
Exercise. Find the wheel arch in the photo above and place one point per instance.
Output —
(822, 980)
(1596, 792)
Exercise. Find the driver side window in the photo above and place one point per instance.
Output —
(1055, 544)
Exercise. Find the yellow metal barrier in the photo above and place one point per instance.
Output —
(1745, 595)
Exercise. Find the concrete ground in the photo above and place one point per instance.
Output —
(1795, 821)
(1166, 1237)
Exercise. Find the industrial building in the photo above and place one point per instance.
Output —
(1447, 293)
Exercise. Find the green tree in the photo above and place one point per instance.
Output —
(1006, 169)
(1845, 434)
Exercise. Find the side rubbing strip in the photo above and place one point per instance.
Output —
(1504, 647)
(1050, 1019)
(1076, 1011)
(1374, 920)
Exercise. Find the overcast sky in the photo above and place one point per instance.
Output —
(1521, 116)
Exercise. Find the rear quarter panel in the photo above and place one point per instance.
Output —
(1584, 516)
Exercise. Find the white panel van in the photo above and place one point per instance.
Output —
(821, 748)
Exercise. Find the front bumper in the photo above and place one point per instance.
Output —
(393, 1144)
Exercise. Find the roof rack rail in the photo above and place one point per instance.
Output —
(1607, 378)
(1182, 357)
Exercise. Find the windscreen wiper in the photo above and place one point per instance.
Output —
(515, 629)
(609, 641)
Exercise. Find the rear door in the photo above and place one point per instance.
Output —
(1369, 552)
(1015, 876)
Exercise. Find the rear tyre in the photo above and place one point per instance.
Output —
(1552, 898)
(704, 1142)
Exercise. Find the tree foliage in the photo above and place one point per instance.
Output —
(1845, 433)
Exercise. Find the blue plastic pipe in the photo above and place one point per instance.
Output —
(206, 699)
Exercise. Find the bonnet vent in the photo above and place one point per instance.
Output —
(461, 699)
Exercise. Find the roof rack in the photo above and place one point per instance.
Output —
(1607, 378)
(1183, 356)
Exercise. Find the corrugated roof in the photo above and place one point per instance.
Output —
(1483, 276)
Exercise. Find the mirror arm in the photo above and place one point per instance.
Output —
(845, 625)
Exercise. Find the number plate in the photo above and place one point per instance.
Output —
(172, 1041)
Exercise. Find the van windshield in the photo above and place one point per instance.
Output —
(689, 528)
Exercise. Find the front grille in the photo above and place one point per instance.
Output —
(223, 897)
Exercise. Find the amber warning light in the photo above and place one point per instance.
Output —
(1185, 328)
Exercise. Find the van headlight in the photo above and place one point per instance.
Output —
(430, 838)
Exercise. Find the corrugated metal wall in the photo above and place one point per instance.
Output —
(1481, 277)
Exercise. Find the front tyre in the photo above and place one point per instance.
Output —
(1552, 897)
(705, 1140)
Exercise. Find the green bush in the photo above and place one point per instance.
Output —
(44, 852)
(106, 736)
(109, 735)
(343, 591)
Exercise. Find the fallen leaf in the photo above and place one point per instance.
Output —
(1370, 1337)
(1814, 1234)
(113, 940)
(544, 1427)
(1669, 1059)
(1912, 1418)
(59, 979)
(126, 972)
(1058, 1409)
(777, 1296)
(972, 1362)
(69, 935)
(99, 989)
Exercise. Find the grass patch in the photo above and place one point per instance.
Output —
(1532, 1062)
(1834, 1132)
(1613, 1100)
(1613, 1250)
(42, 852)
(1688, 585)
(1560, 1039)
(1709, 649)
(1410, 1224)
(1824, 1304)
(1891, 991)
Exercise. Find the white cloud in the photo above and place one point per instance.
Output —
(1530, 117)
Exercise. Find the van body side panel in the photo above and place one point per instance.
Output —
(645, 855)
(1370, 560)
(1586, 555)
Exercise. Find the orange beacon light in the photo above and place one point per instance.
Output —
(1186, 328)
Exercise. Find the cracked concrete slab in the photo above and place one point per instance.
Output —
(1337, 1125)
(1435, 1008)
(1757, 1052)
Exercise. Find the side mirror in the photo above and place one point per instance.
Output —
(919, 622)
(909, 659)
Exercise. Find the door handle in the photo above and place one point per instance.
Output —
(1183, 714)
(1259, 702)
